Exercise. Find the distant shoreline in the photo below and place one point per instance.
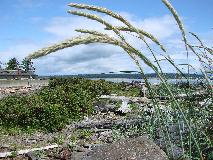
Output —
(44, 80)
(127, 76)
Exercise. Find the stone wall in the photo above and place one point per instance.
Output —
(26, 82)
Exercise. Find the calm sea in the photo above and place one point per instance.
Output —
(151, 80)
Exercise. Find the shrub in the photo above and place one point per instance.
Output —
(53, 107)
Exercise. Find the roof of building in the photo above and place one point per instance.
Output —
(15, 73)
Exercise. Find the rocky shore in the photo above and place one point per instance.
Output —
(95, 137)
(107, 134)
(114, 131)
(21, 90)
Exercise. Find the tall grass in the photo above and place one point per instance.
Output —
(192, 119)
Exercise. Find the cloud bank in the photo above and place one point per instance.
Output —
(96, 58)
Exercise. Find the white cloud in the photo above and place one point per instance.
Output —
(162, 27)
(86, 59)
(95, 58)
(64, 27)
(19, 51)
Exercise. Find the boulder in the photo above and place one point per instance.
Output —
(140, 148)
(105, 108)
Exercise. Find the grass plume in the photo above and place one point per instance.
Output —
(183, 109)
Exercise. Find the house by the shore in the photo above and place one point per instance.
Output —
(17, 74)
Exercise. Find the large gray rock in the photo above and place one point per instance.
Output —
(140, 148)
(105, 108)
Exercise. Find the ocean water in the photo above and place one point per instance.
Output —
(151, 80)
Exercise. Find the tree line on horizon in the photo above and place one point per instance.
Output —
(13, 64)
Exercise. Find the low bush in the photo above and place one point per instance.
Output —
(64, 100)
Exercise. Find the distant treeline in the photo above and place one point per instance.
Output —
(128, 76)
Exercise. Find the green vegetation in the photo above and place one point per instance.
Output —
(131, 91)
(27, 65)
(85, 134)
(63, 101)
(69, 99)
(195, 136)
(52, 108)
(12, 64)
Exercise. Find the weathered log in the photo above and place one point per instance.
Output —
(21, 152)
(106, 124)
(193, 96)
(123, 98)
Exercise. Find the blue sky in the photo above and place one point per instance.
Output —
(28, 25)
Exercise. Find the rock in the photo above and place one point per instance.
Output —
(174, 153)
(31, 156)
(79, 152)
(12, 91)
(106, 133)
(65, 154)
(109, 140)
(94, 137)
(140, 148)
(108, 124)
(125, 107)
(105, 108)
(77, 155)
(177, 152)
(30, 141)
(104, 136)
(4, 146)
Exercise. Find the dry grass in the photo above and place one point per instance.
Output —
(184, 109)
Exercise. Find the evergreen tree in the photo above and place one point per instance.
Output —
(27, 65)
(12, 64)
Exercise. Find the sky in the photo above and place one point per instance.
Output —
(29, 25)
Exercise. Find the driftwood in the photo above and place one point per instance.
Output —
(21, 152)
(125, 107)
(108, 124)
(123, 98)
(193, 96)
